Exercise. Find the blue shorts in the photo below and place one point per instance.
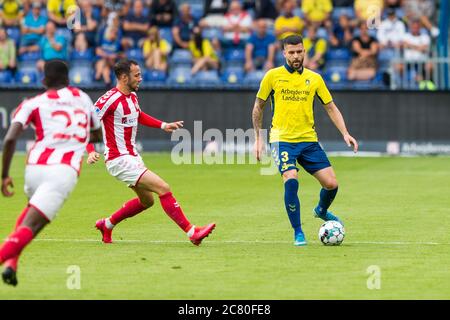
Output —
(309, 155)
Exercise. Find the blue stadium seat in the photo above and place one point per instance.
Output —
(66, 33)
(362, 85)
(81, 75)
(234, 55)
(181, 57)
(197, 10)
(212, 33)
(338, 54)
(6, 76)
(207, 78)
(87, 55)
(387, 55)
(180, 75)
(254, 77)
(233, 75)
(30, 56)
(299, 12)
(135, 54)
(279, 58)
(154, 76)
(14, 34)
(338, 63)
(335, 74)
(166, 33)
(322, 33)
(27, 76)
(340, 11)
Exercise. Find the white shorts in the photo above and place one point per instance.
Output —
(128, 169)
(47, 187)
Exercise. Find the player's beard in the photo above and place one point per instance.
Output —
(133, 87)
(297, 64)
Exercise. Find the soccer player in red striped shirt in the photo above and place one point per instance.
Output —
(62, 118)
(119, 113)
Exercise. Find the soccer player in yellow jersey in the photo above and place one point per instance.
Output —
(291, 89)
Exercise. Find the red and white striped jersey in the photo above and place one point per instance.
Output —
(119, 115)
(62, 120)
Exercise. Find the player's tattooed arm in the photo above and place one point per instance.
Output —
(9, 147)
(257, 117)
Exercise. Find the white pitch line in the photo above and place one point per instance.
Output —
(240, 241)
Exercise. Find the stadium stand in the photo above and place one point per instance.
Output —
(232, 58)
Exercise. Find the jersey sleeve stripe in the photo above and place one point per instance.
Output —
(102, 108)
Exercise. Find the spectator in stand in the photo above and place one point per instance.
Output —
(26, 6)
(317, 12)
(315, 49)
(108, 53)
(214, 15)
(52, 46)
(135, 26)
(87, 24)
(11, 13)
(260, 48)
(416, 52)
(287, 23)
(203, 54)
(80, 43)
(341, 34)
(183, 27)
(163, 13)
(113, 6)
(7, 52)
(365, 51)
(424, 11)
(263, 9)
(156, 50)
(391, 31)
(32, 29)
(238, 24)
(60, 10)
(368, 10)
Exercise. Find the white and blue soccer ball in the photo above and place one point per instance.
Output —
(331, 233)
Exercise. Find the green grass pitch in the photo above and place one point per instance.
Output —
(396, 212)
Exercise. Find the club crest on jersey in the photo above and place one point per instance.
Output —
(307, 82)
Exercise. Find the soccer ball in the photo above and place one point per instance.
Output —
(331, 233)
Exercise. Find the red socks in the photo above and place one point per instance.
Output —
(12, 263)
(129, 209)
(14, 244)
(173, 210)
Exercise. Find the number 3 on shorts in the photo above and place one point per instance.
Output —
(284, 156)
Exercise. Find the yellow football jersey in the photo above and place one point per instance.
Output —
(292, 95)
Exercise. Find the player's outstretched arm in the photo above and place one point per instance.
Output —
(257, 117)
(172, 126)
(9, 147)
(149, 121)
(338, 120)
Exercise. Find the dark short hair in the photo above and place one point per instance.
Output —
(56, 74)
(123, 66)
(292, 39)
